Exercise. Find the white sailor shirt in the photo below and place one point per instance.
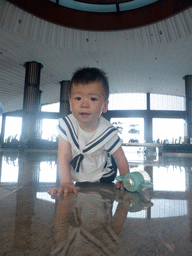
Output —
(90, 151)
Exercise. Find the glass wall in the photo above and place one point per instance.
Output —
(165, 130)
(49, 126)
(138, 101)
(167, 102)
(49, 129)
(53, 107)
(131, 129)
(127, 101)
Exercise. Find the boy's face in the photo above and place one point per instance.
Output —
(87, 102)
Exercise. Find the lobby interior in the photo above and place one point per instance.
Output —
(99, 220)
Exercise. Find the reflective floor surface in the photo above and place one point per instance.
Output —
(98, 220)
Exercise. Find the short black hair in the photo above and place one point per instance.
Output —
(88, 75)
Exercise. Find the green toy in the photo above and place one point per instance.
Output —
(135, 202)
(134, 181)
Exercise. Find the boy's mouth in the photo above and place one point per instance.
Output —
(84, 114)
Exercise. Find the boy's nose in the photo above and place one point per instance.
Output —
(84, 104)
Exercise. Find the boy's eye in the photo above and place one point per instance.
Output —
(78, 98)
(93, 99)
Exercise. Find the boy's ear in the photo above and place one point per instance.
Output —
(105, 107)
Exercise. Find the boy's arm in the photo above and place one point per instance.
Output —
(122, 164)
(119, 218)
(63, 160)
(121, 161)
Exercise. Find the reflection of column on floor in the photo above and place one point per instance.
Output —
(25, 198)
(148, 122)
(149, 170)
(29, 168)
(149, 213)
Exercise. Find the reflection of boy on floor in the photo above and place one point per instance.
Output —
(86, 139)
(84, 224)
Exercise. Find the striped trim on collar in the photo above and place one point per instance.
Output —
(62, 130)
(71, 130)
(99, 139)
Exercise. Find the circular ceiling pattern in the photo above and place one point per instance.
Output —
(105, 6)
(103, 15)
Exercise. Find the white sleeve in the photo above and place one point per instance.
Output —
(113, 144)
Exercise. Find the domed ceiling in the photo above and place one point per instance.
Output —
(103, 14)
(144, 48)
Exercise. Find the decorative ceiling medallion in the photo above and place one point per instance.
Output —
(103, 1)
(103, 15)
(110, 6)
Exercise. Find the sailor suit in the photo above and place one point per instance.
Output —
(90, 150)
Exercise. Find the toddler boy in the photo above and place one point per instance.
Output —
(89, 147)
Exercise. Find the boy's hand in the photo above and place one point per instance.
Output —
(63, 189)
(119, 185)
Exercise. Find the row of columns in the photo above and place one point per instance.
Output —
(31, 118)
(31, 124)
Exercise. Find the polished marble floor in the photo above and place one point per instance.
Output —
(99, 220)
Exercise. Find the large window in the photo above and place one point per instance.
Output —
(167, 102)
(49, 129)
(49, 126)
(138, 101)
(127, 101)
(53, 107)
(163, 129)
